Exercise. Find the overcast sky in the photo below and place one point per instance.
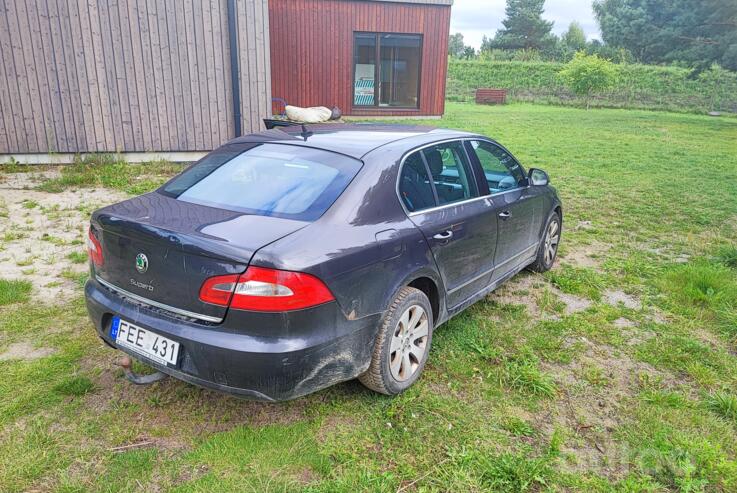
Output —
(476, 18)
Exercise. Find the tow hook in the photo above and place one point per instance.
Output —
(126, 363)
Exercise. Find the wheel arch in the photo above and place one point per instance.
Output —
(431, 290)
(559, 210)
(429, 282)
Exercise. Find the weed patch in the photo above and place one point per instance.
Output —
(76, 386)
(724, 404)
(578, 281)
(109, 171)
(77, 257)
(14, 291)
(727, 255)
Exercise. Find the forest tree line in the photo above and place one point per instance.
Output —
(688, 33)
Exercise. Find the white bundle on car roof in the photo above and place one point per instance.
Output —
(317, 114)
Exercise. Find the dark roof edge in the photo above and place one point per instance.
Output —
(426, 2)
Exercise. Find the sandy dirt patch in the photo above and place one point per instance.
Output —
(583, 225)
(623, 323)
(537, 295)
(573, 303)
(668, 254)
(522, 289)
(39, 231)
(587, 256)
(25, 351)
(615, 297)
(597, 389)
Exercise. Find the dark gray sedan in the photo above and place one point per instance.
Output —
(289, 260)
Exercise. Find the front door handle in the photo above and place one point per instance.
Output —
(505, 215)
(445, 235)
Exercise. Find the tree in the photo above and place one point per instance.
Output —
(456, 46)
(589, 74)
(458, 49)
(695, 32)
(487, 44)
(715, 82)
(524, 27)
(574, 39)
(469, 53)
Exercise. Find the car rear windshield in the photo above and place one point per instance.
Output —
(268, 179)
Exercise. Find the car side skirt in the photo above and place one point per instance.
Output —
(451, 312)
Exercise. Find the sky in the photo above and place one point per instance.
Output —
(476, 18)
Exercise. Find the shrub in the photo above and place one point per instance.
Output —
(589, 74)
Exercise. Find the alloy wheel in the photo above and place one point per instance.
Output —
(409, 343)
(552, 237)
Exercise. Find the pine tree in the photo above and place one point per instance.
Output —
(524, 27)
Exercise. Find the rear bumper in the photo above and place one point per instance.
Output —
(309, 350)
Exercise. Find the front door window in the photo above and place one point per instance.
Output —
(500, 169)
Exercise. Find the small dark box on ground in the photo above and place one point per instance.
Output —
(491, 96)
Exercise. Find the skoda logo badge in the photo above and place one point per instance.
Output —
(141, 263)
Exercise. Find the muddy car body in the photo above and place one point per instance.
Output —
(395, 225)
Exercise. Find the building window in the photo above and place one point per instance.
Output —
(386, 69)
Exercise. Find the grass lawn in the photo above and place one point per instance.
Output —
(616, 371)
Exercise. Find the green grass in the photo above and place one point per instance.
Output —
(579, 281)
(77, 257)
(13, 235)
(110, 171)
(724, 404)
(727, 255)
(75, 386)
(518, 395)
(14, 291)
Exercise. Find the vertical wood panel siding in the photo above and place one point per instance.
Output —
(128, 75)
(312, 50)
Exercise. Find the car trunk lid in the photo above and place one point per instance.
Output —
(160, 249)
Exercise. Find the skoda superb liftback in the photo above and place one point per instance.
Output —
(287, 261)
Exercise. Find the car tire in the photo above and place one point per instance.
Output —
(402, 344)
(548, 249)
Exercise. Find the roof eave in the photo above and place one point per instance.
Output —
(447, 3)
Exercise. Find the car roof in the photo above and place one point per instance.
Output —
(351, 139)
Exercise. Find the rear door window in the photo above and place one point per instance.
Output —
(414, 184)
(268, 179)
(451, 172)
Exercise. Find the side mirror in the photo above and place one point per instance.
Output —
(538, 177)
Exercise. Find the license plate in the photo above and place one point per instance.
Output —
(144, 341)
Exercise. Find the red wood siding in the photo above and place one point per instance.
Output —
(312, 50)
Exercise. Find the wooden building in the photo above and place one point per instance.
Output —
(80, 76)
(369, 58)
(129, 75)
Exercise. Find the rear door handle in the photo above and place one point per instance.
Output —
(505, 215)
(445, 235)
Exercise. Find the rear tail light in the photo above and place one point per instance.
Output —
(218, 290)
(266, 290)
(94, 249)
